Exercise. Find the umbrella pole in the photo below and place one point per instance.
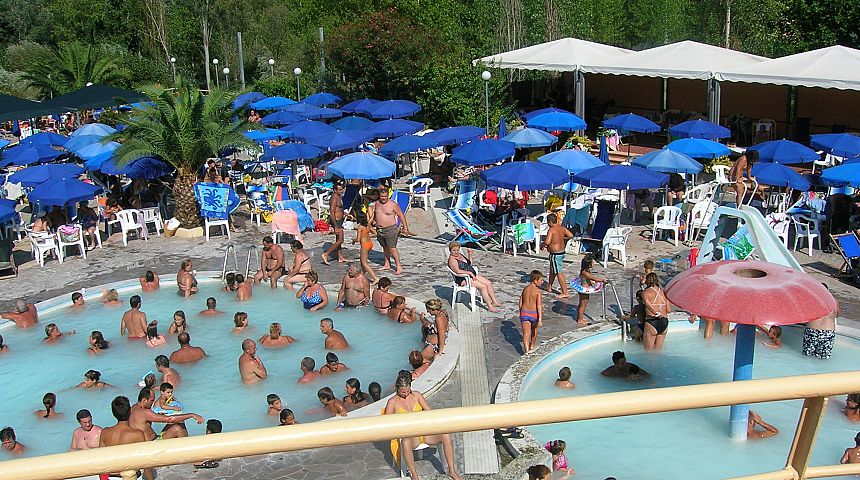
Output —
(744, 351)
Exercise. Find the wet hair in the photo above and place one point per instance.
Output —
(144, 394)
(184, 264)
(326, 394)
(240, 318)
(99, 340)
(312, 276)
(166, 386)
(297, 245)
(181, 314)
(285, 414)
(267, 239)
(331, 357)
(564, 374)
(776, 330)
(272, 398)
(183, 338)
(537, 472)
(149, 276)
(358, 396)
(586, 264)
(328, 322)
(397, 301)
(648, 265)
(453, 245)
(149, 380)
(557, 447)
(8, 434)
(49, 328)
(230, 279)
(82, 414)
(634, 370)
(93, 375)
(77, 296)
(639, 296)
(383, 282)
(50, 402)
(433, 304)
(1, 342)
(21, 306)
(403, 380)
(162, 361)
(214, 426)
(552, 218)
(275, 330)
(752, 156)
(121, 408)
(535, 275)
(112, 295)
(416, 359)
(652, 280)
(308, 364)
(854, 397)
(211, 303)
(134, 301)
(375, 391)
(240, 278)
(617, 355)
(152, 330)
(246, 344)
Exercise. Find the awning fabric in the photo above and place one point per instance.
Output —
(830, 67)
(563, 55)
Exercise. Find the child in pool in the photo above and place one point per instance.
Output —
(167, 403)
(586, 279)
(559, 460)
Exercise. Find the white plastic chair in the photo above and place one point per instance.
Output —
(616, 239)
(215, 222)
(324, 197)
(420, 190)
(699, 192)
(152, 216)
(529, 237)
(808, 228)
(131, 221)
(722, 173)
(75, 239)
(780, 223)
(467, 288)
(309, 196)
(483, 204)
(42, 244)
(667, 218)
(699, 218)
(15, 224)
(543, 226)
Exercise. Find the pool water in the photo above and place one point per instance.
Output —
(211, 387)
(692, 443)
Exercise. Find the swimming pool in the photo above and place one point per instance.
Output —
(685, 443)
(211, 387)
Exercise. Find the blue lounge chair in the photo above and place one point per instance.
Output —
(849, 247)
(467, 232)
(403, 200)
(593, 242)
(464, 196)
(739, 246)
(349, 196)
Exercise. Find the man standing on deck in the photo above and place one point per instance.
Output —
(556, 243)
(384, 216)
(336, 220)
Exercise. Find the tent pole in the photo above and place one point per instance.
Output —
(579, 91)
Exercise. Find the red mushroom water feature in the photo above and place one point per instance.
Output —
(749, 293)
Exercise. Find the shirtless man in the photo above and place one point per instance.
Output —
(336, 219)
(251, 368)
(381, 297)
(301, 265)
(384, 216)
(243, 288)
(123, 433)
(852, 454)
(24, 315)
(272, 263)
(331, 404)
(186, 352)
(531, 310)
(819, 336)
(752, 432)
(620, 367)
(168, 375)
(142, 418)
(334, 340)
(78, 301)
(133, 320)
(87, 435)
(149, 281)
(332, 365)
(10, 443)
(211, 303)
(354, 289)
(308, 373)
(555, 243)
(743, 166)
(185, 280)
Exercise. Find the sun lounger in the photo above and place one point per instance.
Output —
(403, 200)
(849, 247)
(464, 195)
(593, 242)
(468, 232)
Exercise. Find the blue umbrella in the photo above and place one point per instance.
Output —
(846, 174)
(311, 112)
(526, 176)
(394, 128)
(310, 128)
(779, 175)
(406, 144)
(362, 166)
(28, 155)
(621, 177)
(391, 109)
(839, 144)
(339, 140)
(148, 168)
(32, 176)
(246, 98)
(699, 129)
(293, 151)
(272, 103)
(483, 152)
(352, 123)
(668, 161)
(266, 135)
(527, 116)
(852, 160)
(784, 151)
(7, 209)
(76, 143)
(281, 118)
(699, 148)
(566, 122)
(630, 122)
(503, 129)
(530, 137)
(603, 153)
(455, 135)
(322, 99)
(358, 105)
(96, 153)
(4, 142)
(63, 191)
(574, 161)
(50, 139)
(98, 129)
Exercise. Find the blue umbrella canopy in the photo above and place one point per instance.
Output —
(503, 129)
(148, 168)
(76, 143)
(358, 105)
(293, 151)
(406, 144)
(28, 155)
(267, 134)
(603, 153)
(394, 128)
(32, 176)
(531, 137)
(4, 142)
(534, 113)
(96, 153)
(574, 161)
(846, 174)
(352, 123)
(526, 176)
(483, 152)
(455, 135)
(98, 129)
(246, 98)
(668, 161)
(551, 121)
(362, 166)
(700, 129)
(839, 144)
(699, 148)
(7, 209)
(281, 117)
(630, 122)
(272, 103)
(391, 109)
(310, 128)
(50, 139)
(63, 191)
(339, 140)
(322, 99)
(311, 112)
(779, 175)
(784, 151)
(621, 177)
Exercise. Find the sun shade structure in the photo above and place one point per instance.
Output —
(562, 55)
(830, 67)
(310, 128)
(839, 144)
(281, 117)
(530, 138)
(574, 161)
(394, 128)
(630, 122)
(272, 103)
(668, 161)
(352, 123)
(784, 151)
(308, 111)
(390, 109)
(339, 140)
(455, 135)
(483, 152)
(46, 138)
(28, 155)
(97, 129)
(94, 96)
(620, 177)
(552, 121)
(63, 191)
(778, 175)
(846, 174)
(526, 176)
(699, 148)
(293, 151)
(362, 166)
(749, 293)
(700, 129)
(406, 144)
(246, 98)
(32, 176)
(322, 99)
(266, 134)
(357, 105)
(148, 168)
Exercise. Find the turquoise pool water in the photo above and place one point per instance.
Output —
(211, 387)
(693, 443)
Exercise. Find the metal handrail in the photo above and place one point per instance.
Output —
(256, 251)
(128, 458)
(230, 248)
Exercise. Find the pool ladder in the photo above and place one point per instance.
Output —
(253, 251)
(624, 325)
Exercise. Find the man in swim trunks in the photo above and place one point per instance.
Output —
(555, 243)
(211, 303)
(168, 375)
(531, 310)
(819, 336)
(384, 216)
(336, 216)
(354, 289)
(308, 373)
(334, 340)
(272, 263)
(87, 435)
(122, 433)
(185, 280)
(620, 367)
(251, 368)
(24, 315)
(186, 353)
(142, 418)
(133, 320)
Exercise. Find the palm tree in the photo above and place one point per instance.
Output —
(183, 128)
(71, 67)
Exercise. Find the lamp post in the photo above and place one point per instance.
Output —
(226, 77)
(173, 67)
(486, 76)
(272, 67)
(298, 71)
(217, 80)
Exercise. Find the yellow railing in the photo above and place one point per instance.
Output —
(126, 458)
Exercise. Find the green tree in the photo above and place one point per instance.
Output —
(72, 66)
(183, 128)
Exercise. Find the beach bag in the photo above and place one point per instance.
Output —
(321, 226)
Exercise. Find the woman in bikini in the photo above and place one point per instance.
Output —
(381, 297)
(439, 327)
(657, 309)
(301, 265)
(312, 294)
(362, 237)
(179, 324)
(461, 265)
(400, 313)
(586, 279)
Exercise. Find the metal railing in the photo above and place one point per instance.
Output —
(127, 458)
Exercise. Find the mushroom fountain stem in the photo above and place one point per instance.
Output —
(744, 351)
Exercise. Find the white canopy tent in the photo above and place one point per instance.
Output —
(831, 67)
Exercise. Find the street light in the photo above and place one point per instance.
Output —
(217, 80)
(226, 77)
(173, 67)
(298, 71)
(272, 66)
(486, 76)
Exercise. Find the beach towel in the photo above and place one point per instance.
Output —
(306, 222)
(216, 200)
(287, 221)
(739, 246)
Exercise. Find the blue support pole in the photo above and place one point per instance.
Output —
(744, 350)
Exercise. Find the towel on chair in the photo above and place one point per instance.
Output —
(287, 221)
(216, 200)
